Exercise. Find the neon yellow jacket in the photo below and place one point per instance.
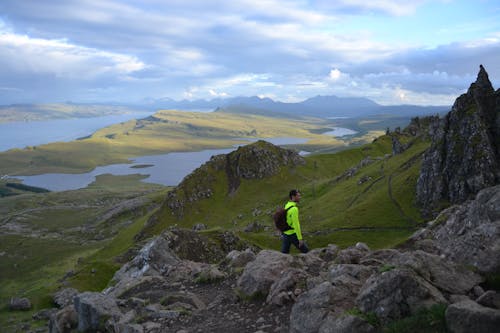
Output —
(292, 218)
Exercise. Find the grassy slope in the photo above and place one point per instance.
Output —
(341, 212)
(33, 262)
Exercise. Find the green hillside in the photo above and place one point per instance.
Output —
(375, 205)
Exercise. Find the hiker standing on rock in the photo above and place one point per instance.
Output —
(293, 235)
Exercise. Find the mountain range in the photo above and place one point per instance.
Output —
(318, 106)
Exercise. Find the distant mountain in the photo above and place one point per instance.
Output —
(318, 106)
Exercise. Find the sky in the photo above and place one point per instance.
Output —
(420, 52)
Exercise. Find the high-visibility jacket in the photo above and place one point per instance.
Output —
(292, 218)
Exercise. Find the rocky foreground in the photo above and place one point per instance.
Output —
(326, 290)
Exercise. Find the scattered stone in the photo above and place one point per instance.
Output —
(19, 304)
(199, 227)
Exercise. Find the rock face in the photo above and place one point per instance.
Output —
(255, 161)
(468, 234)
(465, 153)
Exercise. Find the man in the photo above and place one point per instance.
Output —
(294, 235)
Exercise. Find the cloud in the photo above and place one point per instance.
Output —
(213, 93)
(335, 74)
(390, 7)
(292, 50)
(61, 58)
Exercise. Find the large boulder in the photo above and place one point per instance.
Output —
(237, 258)
(329, 298)
(445, 275)
(261, 273)
(312, 308)
(397, 293)
(95, 310)
(468, 316)
(155, 258)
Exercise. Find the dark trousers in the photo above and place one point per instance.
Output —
(288, 240)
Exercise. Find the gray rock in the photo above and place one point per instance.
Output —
(64, 320)
(490, 299)
(311, 309)
(358, 272)
(351, 255)
(19, 304)
(346, 324)
(362, 246)
(469, 234)
(44, 314)
(328, 253)
(468, 316)
(145, 287)
(94, 310)
(464, 155)
(199, 227)
(65, 297)
(184, 297)
(156, 258)
(261, 273)
(237, 258)
(281, 290)
(396, 294)
(443, 274)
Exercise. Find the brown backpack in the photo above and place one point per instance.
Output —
(279, 218)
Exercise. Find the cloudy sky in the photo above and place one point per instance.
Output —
(421, 52)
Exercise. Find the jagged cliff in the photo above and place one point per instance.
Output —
(465, 153)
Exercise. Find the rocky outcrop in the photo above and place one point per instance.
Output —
(257, 161)
(464, 156)
(254, 161)
(468, 234)
(352, 290)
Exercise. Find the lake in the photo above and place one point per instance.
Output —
(34, 133)
(340, 131)
(166, 169)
